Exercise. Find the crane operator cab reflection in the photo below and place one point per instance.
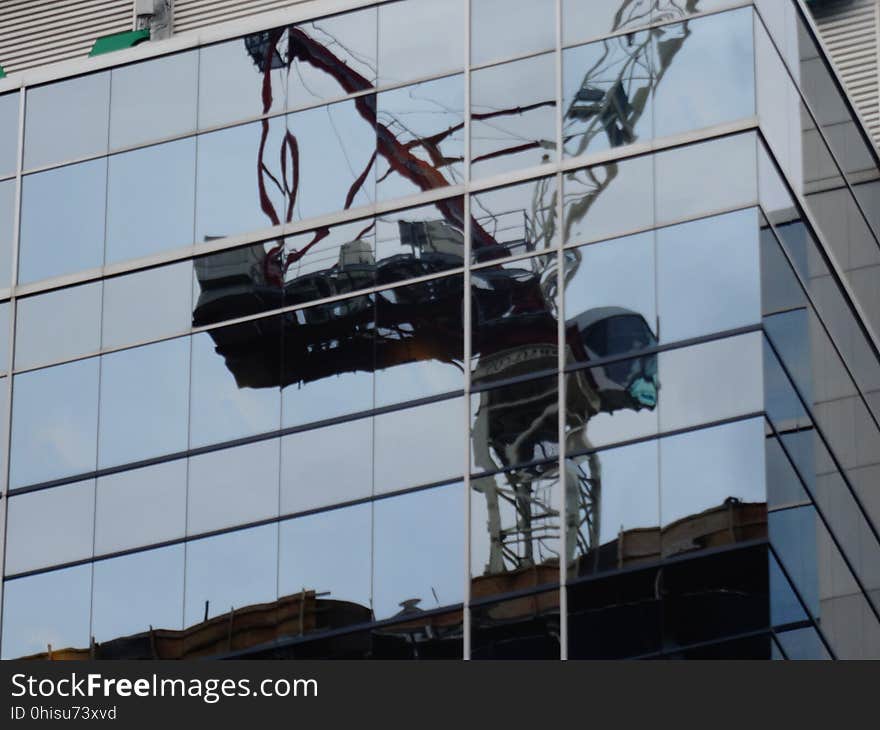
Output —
(610, 333)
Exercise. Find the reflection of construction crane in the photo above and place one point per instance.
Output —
(515, 307)
(519, 424)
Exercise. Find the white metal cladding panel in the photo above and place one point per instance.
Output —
(38, 32)
(191, 14)
(851, 31)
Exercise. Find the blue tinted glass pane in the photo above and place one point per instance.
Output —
(136, 594)
(153, 99)
(420, 133)
(419, 544)
(235, 389)
(67, 120)
(8, 133)
(233, 77)
(513, 115)
(331, 57)
(236, 190)
(715, 262)
(62, 221)
(36, 622)
(419, 38)
(607, 94)
(505, 28)
(333, 154)
(54, 422)
(50, 527)
(706, 72)
(144, 402)
(230, 572)
(162, 178)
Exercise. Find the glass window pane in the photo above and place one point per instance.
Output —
(58, 325)
(419, 38)
(613, 402)
(233, 487)
(347, 41)
(328, 262)
(420, 241)
(36, 623)
(230, 572)
(135, 594)
(328, 361)
(313, 558)
(419, 445)
(710, 382)
(231, 78)
(707, 69)
(716, 598)
(153, 99)
(607, 94)
(716, 262)
(712, 488)
(144, 402)
(618, 617)
(140, 507)
(617, 493)
(513, 115)
(520, 628)
(235, 382)
(419, 341)
(608, 200)
(313, 475)
(9, 104)
(161, 177)
(610, 297)
(7, 227)
(516, 424)
(505, 28)
(420, 133)
(514, 220)
(71, 239)
(515, 530)
(803, 644)
(419, 555)
(67, 120)
(333, 151)
(682, 173)
(514, 316)
(50, 527)
(168, 289)
(54, 422)
(587, 19)
(237, 282)
(236, 192)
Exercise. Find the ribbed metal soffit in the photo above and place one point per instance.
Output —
(39, 32)
(851, 31)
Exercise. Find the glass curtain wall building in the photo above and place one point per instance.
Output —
(444, 329)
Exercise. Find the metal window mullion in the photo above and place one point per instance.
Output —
(560, 353)
(467, 307)
(13, 313)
